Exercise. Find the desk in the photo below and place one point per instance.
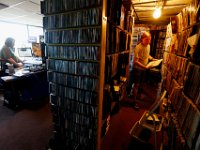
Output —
(29, 87)
(153, 76)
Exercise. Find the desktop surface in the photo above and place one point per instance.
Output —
(26, 69)
(32, 60)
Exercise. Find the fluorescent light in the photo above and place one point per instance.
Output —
(157, 12)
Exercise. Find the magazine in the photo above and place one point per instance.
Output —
(154, 63)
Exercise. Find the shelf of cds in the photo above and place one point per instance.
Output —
(75, 38)
(160, 44)
(87, 49)
(118, 42)
(181, 71)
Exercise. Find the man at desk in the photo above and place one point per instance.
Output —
(8, 55)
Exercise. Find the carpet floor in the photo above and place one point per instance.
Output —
(30, 127)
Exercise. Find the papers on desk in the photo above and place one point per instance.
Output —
(33, 62)
(21, 72)
(7, 78)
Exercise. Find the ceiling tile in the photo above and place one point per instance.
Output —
(15, 11)
(29, 6)
(11, 2)
(36, 1)
(22, 11)
(29, 20)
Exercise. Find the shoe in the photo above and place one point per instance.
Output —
(136, 107)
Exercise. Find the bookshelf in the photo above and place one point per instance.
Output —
(87, 50)
(118, 45)
(159, 43)
(180, 70)
(75, 33)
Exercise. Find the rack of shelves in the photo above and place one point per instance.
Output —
(75, 33)
(181, 80)
(87, 50)
(118, 42)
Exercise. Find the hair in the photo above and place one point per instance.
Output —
(145, 34)
(9, 41)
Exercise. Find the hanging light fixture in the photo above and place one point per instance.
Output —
(157, 12)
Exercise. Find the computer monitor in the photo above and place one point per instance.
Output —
(25, 52)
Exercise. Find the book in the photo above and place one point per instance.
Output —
(154, 63)
(190, 126)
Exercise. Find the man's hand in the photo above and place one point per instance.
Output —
(147, 67)
(154, 59)
(19, 65)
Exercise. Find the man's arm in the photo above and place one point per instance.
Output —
(19, 60)
(151, 58)
(12, 61)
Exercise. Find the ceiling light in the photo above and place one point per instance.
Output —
(157, 12)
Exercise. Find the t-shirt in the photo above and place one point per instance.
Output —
(7, 53)
(142, 52)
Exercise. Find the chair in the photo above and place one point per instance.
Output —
(2, 67)
(142, 129)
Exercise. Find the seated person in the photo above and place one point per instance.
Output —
(8, 55)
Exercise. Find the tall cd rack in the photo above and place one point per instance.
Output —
(75, 38)
(181, 71)
(118, 43)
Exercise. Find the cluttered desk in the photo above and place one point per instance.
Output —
(28, 58)
(31, 63)
(26, 69)
(25, 84)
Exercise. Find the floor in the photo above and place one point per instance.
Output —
(30, 127)
(118, 137)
